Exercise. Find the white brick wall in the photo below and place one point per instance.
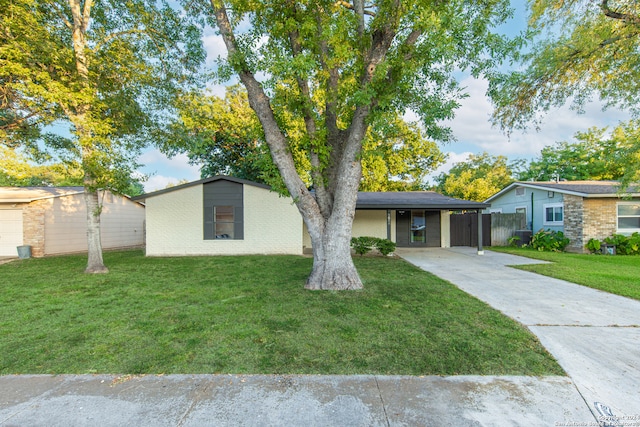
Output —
(272, 225)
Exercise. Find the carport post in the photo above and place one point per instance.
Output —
(480, 248)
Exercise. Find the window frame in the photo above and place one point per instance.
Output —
(618, 216)
(553, 206)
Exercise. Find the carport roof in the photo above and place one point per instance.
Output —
(414, 200)
(29, 194)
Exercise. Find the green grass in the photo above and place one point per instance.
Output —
(619, 274)
(249, 314)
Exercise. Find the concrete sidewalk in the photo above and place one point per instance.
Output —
(594, 335)
(306, 401)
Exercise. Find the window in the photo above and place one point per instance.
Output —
(223, 213)
(629, 217)
(418, 226)
(223, 222)
(520, 191)
(553, 214)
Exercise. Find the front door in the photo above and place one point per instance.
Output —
(417, 228)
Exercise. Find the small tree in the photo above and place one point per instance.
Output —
(105, 68)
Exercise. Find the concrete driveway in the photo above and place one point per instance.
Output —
(594, 335)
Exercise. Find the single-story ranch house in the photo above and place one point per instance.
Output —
(53, 220)
(229, 216)
(580, 209)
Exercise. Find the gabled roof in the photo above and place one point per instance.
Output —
(366, 200)
(29, 194)
(413, 200)
(143, 197)
(586, 189)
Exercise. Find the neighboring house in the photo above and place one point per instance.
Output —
(582, 210)
(53, 220)
(230, 216)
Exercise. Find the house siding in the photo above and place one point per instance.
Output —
(574, 222)
(65, 218)
(272, 225)
(365, 223)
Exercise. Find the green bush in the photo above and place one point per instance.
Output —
(549, 240)
(594, 246)
(625, 245)
(365, 244)
(385, 246)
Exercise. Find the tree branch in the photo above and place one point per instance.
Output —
(624, 17)
(323, 199)
(261, 104)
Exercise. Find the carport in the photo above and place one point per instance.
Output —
(421, 218)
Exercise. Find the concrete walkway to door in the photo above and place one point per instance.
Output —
(594, 335)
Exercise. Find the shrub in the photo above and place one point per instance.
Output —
(385, 246)
(365, 244)
(513, 241)
(549, 240)
(593, 245)
(625, 245)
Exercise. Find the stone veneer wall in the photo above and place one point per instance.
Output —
(586, 219)
(573, 222)
(33, 226)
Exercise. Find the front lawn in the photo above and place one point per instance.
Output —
(617, 274)
(249, 315)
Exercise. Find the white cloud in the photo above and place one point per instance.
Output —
(474, 132)
(163, 170)
(215, 47)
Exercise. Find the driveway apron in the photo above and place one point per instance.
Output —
(594, 335)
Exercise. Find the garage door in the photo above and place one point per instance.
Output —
(10, 231)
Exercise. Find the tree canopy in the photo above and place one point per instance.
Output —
(583, 49)
(477, 178)
(104, 68)
(323, 72)
(224, 137)
(594, 154)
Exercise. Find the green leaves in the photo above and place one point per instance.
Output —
(581, 52)
(478, 178)
(595, 154)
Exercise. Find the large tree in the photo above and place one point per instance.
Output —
(582, 48)
(336, 67)
(224, 137)
(106, 69)
(595, 154)
(477, 178)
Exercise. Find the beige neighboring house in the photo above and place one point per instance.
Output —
(53, 220)
(229, 216)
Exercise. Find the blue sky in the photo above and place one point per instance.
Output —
(471, 126)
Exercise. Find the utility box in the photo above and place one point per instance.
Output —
(525, 237)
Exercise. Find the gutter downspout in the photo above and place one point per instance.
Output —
(480, 248)
(532, 212)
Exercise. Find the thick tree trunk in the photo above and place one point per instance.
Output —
(333, 267)
(95, 264)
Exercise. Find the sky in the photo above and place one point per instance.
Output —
(471, 126)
